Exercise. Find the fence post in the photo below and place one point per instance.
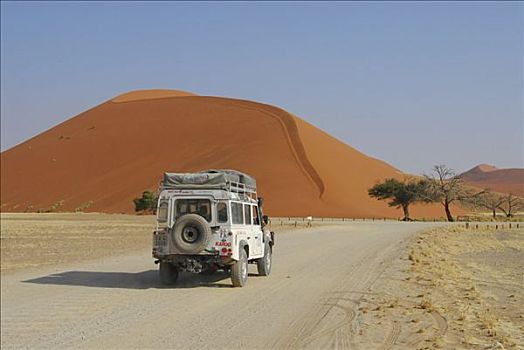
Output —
(467, 225)
(295, 224)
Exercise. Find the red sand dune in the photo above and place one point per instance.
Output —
(111, 153)
(498, 180)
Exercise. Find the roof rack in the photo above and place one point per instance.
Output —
(237, 187)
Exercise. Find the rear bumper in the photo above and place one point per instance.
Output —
(183, 260)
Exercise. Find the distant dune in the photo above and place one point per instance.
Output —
(103, 158)
(498, 180)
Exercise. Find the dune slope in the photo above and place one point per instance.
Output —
(103, 158)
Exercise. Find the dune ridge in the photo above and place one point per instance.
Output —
(153, 94)
(289, 125)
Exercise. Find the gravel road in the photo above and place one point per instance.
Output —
(310, 300)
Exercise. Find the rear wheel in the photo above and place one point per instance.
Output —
(168, 273)
(239, 270)
(264, 263)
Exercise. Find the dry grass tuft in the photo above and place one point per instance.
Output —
(489, 322)
(426, 304)
(463, 313)
(413, 258)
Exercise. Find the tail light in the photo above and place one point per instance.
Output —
(225, 251)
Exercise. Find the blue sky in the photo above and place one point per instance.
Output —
(412, 83)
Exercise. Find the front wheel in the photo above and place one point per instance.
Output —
(168, 273)
(264, 263)
(239, 270)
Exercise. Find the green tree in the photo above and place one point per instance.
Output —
(146, 203)
(400, 193)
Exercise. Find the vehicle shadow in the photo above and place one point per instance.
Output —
(138, 280)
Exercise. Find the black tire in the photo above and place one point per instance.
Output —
(168, 273)
(239, 270)
(191, 234)
(264, 264)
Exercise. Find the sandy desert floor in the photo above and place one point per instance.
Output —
(453, 289)
(356, 285)
(36, 240)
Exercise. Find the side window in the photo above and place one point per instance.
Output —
(256, 220)
(222, 212)
(247, 214)
(236, 213)
(162, 212)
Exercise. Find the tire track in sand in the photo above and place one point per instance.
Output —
(324, 327)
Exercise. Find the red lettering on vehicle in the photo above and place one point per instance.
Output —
(223, 244)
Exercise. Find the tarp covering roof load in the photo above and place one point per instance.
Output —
(209, 179)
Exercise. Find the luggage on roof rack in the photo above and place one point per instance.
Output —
(210, 179)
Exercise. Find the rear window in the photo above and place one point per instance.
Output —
(236, 213)
(201, 207)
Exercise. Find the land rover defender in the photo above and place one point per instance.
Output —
(208, 221)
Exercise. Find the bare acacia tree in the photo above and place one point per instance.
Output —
(445, 187)
(511, 204)
(488, 200)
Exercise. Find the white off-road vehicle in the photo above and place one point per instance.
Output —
(208, 221)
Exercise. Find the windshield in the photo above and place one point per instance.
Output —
(201, 207)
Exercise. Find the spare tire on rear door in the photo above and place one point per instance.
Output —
(191, 234)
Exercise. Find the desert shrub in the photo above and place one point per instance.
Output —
(84, 206)
(146, 203)
(55, 207)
